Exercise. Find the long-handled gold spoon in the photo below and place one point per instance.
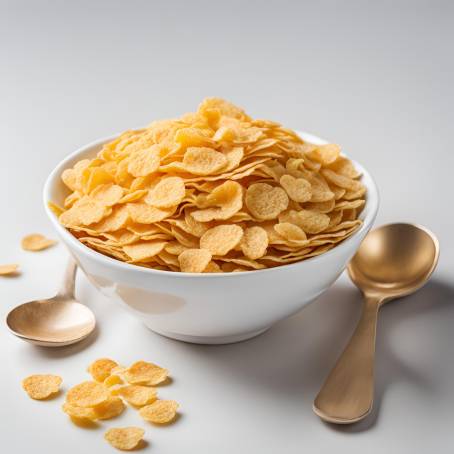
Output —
(392, 261)
(53, 322)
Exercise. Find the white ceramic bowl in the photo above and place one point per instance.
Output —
(209, 308)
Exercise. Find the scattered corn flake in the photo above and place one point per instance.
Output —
(41, 386)
(114, 390)
(79, 412)
(138, 395)
(87, 394)
(119, 370)
(160, 412)
(111, 408)
(125, 438)
(101, 368)
(112, 380)
(145, 373)
(36, 242)
(8, 269)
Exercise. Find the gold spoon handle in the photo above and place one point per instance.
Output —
(69, 280)
(348, 392)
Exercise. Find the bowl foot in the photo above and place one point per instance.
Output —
(208, 340)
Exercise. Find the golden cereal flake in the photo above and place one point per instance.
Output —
(41, 386)
(160, 411)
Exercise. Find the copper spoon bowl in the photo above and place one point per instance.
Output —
(53, 322)
(392, 261)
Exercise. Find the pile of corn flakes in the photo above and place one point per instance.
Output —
(213, 191)
(104, 397)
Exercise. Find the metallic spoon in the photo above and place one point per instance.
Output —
(392, 261)
(53, 322)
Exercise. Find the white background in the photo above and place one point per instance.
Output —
(376, 77)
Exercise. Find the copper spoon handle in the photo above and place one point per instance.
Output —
(348, 392)
(69, 280)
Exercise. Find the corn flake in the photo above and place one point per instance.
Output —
(325, 154)
(169, 192)
(143, 251)
(138, 395)
(254, 242)
(298, 189)
(221, 239)
(143, 162)
(309, 221)
(107, 194)
(160, 412)
(87, 394)
(36, 242)
(203, 161)
(84, 212)
(109, 409)
(145, 373)
(124, 438)
(79, 412)
(41, 386)
(112, 380)
(194, 260)
(146, 214)
(290, 231)
(265, 201)
(101, 368)
(8, 269)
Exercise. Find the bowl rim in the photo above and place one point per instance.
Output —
(370, 212)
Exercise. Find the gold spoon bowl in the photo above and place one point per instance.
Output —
(53, 322)
(392, 261)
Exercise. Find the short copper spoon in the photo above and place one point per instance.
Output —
(53, 322)
(392, 261)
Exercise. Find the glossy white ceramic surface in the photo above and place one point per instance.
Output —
(209, 308)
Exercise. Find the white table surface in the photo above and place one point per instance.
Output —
(376, 77)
